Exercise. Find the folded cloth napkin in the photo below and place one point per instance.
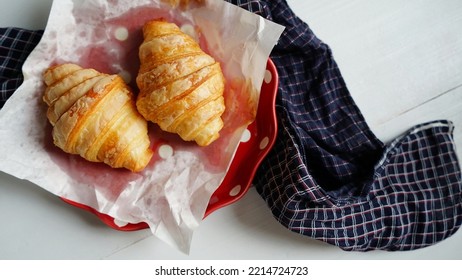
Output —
(328, 177)
(15, 45)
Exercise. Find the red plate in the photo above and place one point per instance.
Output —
(261, 135)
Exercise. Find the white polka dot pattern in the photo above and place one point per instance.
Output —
(268, 77)
(264, 143)
(165, 151)
(235, 191)
(246, 136)
(121, 33)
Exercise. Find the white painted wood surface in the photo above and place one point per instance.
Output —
(402, 61)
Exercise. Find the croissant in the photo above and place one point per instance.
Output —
(181, 87)
(94, 115)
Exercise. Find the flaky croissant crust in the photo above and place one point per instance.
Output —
(94, 115)
(181, 87)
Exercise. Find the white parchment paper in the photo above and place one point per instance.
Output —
(172, 193)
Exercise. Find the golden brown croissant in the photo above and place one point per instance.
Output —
(181, 87)
(94, 115)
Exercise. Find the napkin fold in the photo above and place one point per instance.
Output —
(15, 45)
(328, 177)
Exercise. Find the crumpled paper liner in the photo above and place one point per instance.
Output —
(172, 193)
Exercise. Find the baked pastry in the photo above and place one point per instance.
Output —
(94, 115)
(181, 87)
(184, 4)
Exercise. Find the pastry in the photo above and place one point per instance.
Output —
(181, 86)
(94, 115)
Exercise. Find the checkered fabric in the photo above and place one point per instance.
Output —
(328, 177)
(15, 45)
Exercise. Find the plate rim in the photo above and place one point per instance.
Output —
(211, 208)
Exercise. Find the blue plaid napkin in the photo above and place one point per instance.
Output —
(15, 45)
(328, 177)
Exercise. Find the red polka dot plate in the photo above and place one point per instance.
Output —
(255, 144)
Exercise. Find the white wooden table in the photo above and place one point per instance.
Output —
(402, 61)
